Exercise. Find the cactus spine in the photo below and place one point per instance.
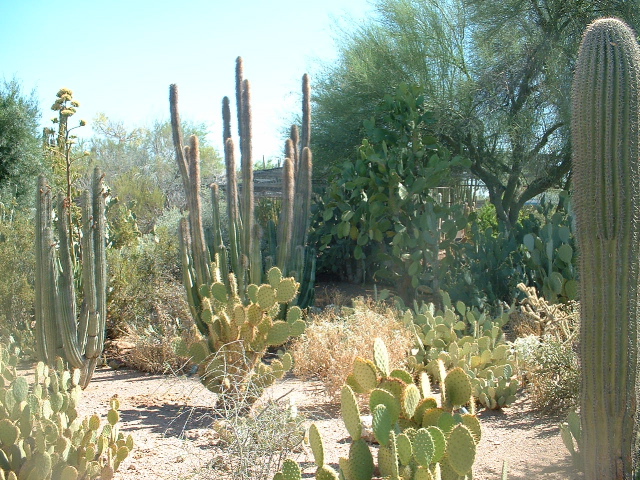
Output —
(60, 329)
(605, 139)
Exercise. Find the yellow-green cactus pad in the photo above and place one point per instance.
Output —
(266, 296)
(364, 372)
(404, 448)
(361, 465)
(461, 449)
(287, 290)
(278, 333)
(439, 443)
(219, 292)
(380, 396)
(381, 357)
(431, 417)
(254, 314)
(317, 445)
(410, 400)
(274, 276)
(350, 413)
(473, 424)
(252, 293)
(423, 447)
(293, 314)
(457, 387)
(381, 424)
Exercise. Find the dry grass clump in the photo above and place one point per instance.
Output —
(335, 337)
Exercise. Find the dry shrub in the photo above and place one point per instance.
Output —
(334, 338)
(536, 316)
(148, 345)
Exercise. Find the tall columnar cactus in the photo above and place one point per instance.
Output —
(62, 330)
(606, 142)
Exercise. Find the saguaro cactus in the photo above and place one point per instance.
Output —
(62, 331)
(605, 137)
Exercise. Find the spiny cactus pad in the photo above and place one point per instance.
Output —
(457, 387)
(461, 449)
(350, 413)
(381, 357)
(361, 465)
(423, 447)
(364, 372)
(381, 396)
(381, 424)
(317, 446)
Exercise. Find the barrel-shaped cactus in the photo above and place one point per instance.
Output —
(63, 329)
(606, 142)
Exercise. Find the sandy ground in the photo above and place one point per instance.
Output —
(170, 418)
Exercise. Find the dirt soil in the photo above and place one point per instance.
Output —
(170, 416)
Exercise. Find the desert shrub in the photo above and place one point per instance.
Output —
(552, 369)
(252, 441)
(147, 308)
(17, 258)
(335, 337)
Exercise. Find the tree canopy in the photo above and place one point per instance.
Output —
(497, 75)
(20, 152)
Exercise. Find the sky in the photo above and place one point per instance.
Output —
(120, 56)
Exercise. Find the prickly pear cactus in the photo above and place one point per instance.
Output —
(420, 436)
(230, 358)
(41, 435)
(460, 337)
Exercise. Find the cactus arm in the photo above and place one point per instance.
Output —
(44, 287)
(285, 224)
(89, 299)
(219, 250)
(65, 301)
(235, 225)
(178, 140)
(246, 161)
(606, 172)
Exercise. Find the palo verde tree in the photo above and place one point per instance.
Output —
(497, 75)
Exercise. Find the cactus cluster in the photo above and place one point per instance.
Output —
(420, 437)
(41, 435)
(63, 329)
(605, 133)
(553, 258)
(467, 339)
(239, 334)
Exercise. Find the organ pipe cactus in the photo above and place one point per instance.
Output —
(605, 138)
(63, 330)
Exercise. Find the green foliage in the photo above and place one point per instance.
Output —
(418, 437)
(140, 163)
(497, 75)
(20, 154)
(41, 435)
(384, 210)
(16, 284)
(484, 270)
(146, 303)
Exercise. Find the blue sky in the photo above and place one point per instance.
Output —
(120, 56)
